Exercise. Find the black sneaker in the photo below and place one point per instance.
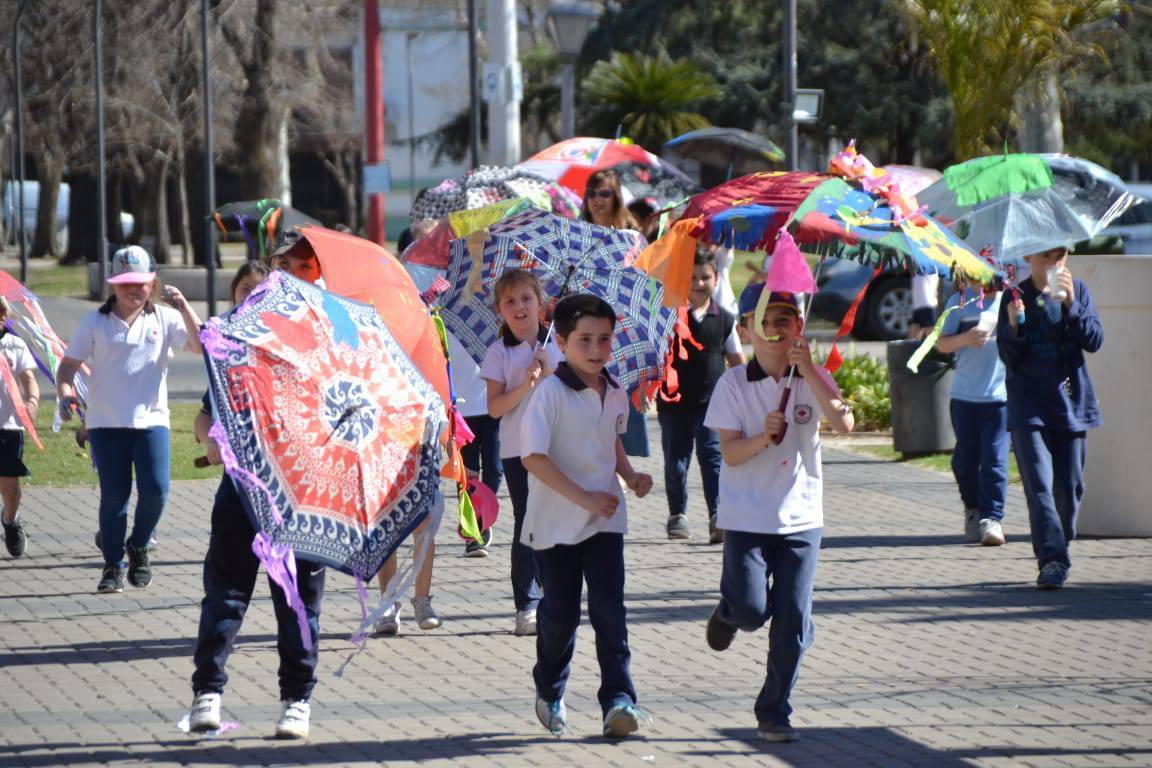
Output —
(139, 568)
(719, 633)
(15, 539)
(111, 579)
(715, 535)
(477, 549)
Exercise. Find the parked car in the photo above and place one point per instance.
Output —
(1134, 227)
(10, 210)
(887, 307)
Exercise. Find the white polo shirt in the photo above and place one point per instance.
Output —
(567, 421)
(129, 382)
(506, 361)
(780, 489)
(19, 359)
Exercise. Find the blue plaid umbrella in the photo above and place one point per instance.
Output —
(568, 256)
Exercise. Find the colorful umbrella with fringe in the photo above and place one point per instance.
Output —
(329, 431)
(260, 224)
(568, 257)
(489, 184)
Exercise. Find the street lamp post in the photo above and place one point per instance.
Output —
(473, 89)
(101, 173)
(570, 24)
(19, 167)
(209, 166)
(792, 143)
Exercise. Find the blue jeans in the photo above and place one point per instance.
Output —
(563, 569)
(230, 570)
(679, 429)
(483, 453)
(769, 577)
(525, 588)
(116, 452)
(980, 458)
(1052, 470)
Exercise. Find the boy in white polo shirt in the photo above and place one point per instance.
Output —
(575, 519)
(770, 503)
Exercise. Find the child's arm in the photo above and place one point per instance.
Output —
(599, 503)
(1011, 336)
(973, 337)
(1083, 320)
(191, 319)
(200, 428)
(66, 386)
(839, 415)
(638, 482)
(737, 449)
(501, 401)
(31, 391)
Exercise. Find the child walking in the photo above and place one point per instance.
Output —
(682, 420)
(514, 367)
(128, 342)
(1051, 401)
(23, 367)
(230, 570)
(770, 504)
(979, 408)
(576, 518)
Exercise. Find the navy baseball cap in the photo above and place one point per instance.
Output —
(750, 296)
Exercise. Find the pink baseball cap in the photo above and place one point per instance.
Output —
(131, 265)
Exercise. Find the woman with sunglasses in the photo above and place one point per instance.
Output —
(604, 205)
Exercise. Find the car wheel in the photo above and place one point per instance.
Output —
(889, 309)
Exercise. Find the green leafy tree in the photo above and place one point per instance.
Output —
(649, 97)
(988, 50)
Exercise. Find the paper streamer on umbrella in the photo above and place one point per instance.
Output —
(931, 339)
(788, 273)
(12, 387)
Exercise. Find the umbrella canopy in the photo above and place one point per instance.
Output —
(1027, 203)
(568, 257)
(642, 174)
(913, 179)
(488, 184)
(363, 271)
(432, 249)
(740, 151)
(261, 224)
(327, 428)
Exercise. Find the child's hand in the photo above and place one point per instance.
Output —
(1015, 312)
(68, 405)
(81, 436)
(639, 483)
(801, 356)
(175, 298)
(976, 337)
(600, 503)
(1064, 283)
(213, 452)
(33, 407)
(542, 357)
(773, 424)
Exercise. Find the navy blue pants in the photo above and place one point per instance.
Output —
(483, 453)
(680, 430)
(525, 587)
(980, 458)
(230, 569)
(563, 570)
(117, 452)
(769, 577)
(1052, 470)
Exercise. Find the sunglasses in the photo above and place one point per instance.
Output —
(604, 193)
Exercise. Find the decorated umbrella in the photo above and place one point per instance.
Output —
(327, 428)
(913, 179)
(259, 223)
(1026, 203)
(737, 150)
(568, 257)
(642, 174)
(488, 184)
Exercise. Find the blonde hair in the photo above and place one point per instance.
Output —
(622, 218)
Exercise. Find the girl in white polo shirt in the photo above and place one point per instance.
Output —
(770, 505)
(513, 367)
(128, 343)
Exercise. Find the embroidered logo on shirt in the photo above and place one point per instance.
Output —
(801, 413)
(153, 334)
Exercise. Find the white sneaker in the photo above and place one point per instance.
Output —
(552, 716)
(293, 722)
(389, 623)
(991, 532)
(425, 614)
(205, 713)
(526, 622)
(971, 525)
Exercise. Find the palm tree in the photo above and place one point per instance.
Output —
(649, 97)
(988, 50)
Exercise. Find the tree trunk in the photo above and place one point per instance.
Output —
(49, 168)
(185, 214)
(82, 221)
(154, 210)
(1038, 110)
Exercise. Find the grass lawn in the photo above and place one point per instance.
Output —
(62, 463)
(941, 462)
(55, 280)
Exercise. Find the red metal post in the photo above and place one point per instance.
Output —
(374, 113)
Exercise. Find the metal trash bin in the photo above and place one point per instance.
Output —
(921, 422)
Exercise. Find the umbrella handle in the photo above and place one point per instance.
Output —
(784, 395)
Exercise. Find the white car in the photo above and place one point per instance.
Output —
(1134, 227)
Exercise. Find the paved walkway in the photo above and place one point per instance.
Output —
(928, 652)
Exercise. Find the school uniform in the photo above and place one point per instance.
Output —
(483, 453)
(127, 416)
(19, 359)
(1051, 406)
(230, 570)
(771, 510)
(567, 421)
(505, 362)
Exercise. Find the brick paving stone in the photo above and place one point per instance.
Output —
(928, 651)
